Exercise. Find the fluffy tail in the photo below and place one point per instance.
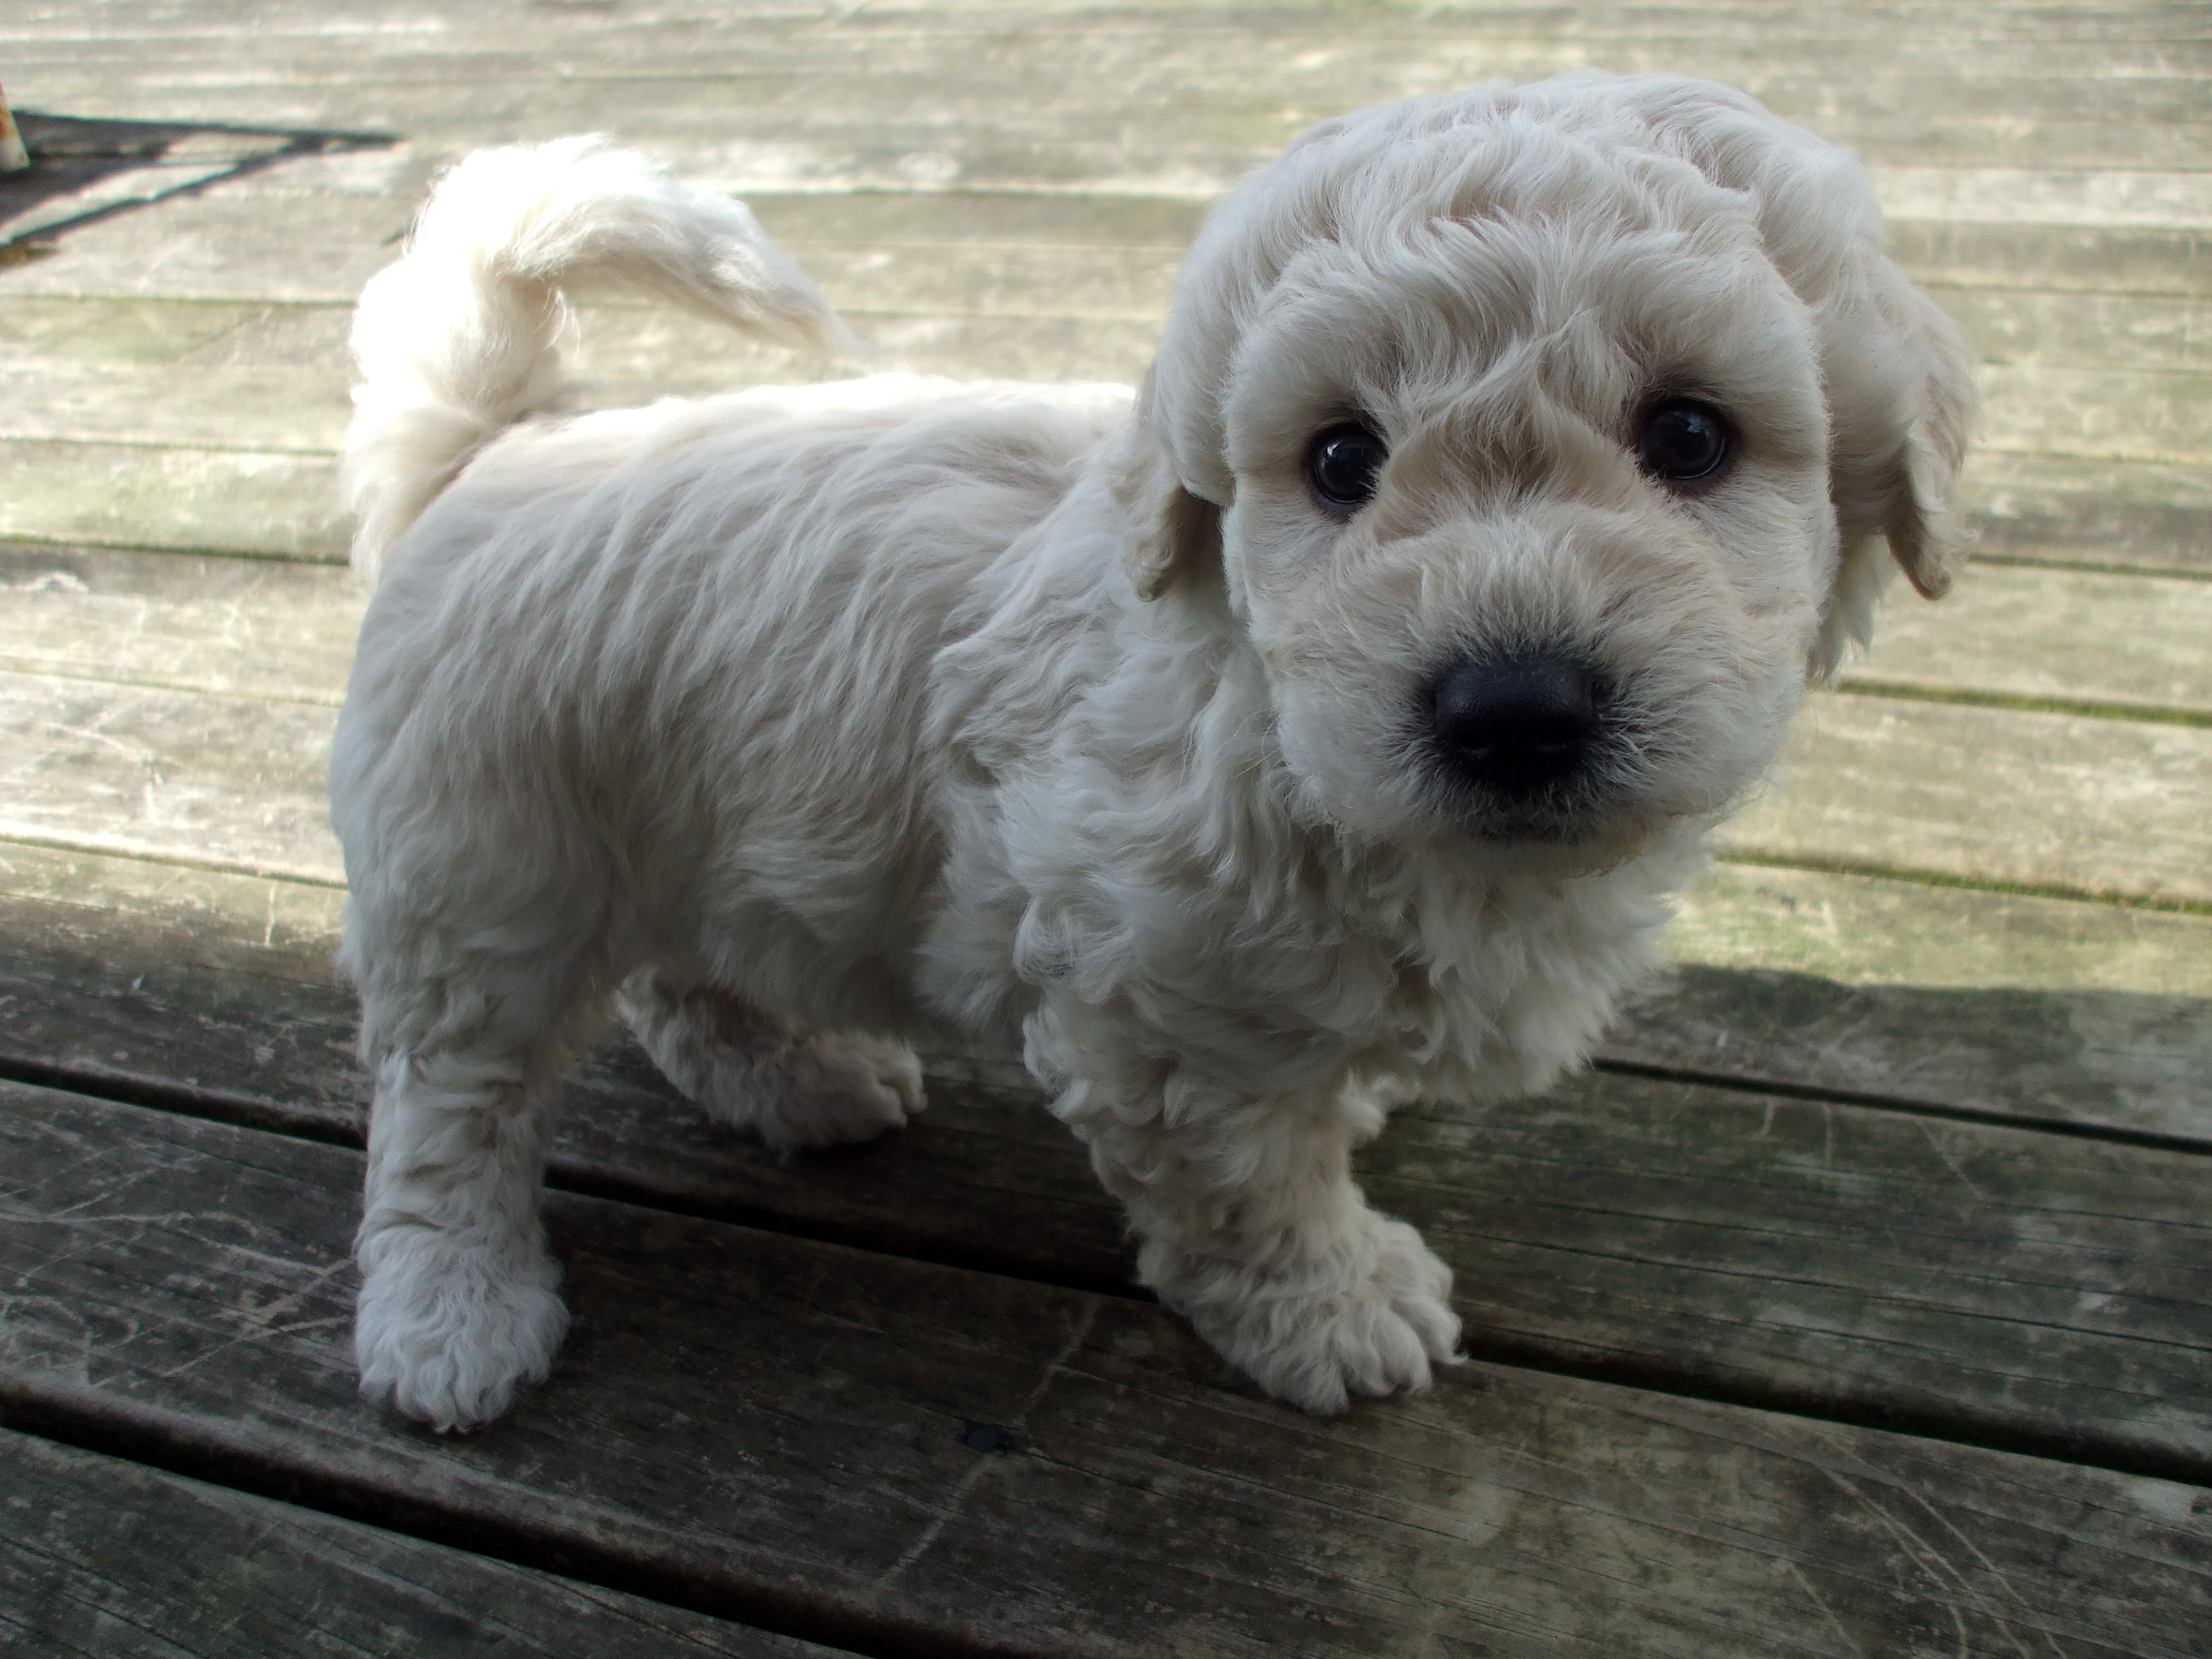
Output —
(461, 339)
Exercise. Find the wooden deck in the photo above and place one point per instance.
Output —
(1859, 1302)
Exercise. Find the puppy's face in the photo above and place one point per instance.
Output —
(1527, 451)
(1530, 526)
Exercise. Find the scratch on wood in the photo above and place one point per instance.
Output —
(1827, 1612)
(975, 1471)
(1995, 1572)
(63, 1326)
(1935, 1139)
(1941, 1574)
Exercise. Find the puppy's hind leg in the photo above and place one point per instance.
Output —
(460, 1305)
(794, 1084)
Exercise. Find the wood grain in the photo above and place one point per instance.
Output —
(2036, 1010)
(2135, 37)
(1207, 82)
(1920, 1151)
(2112, 515)
(2097, 414)
(190, 499)
(2011, 1286)
(233, 782)
(239, 627)
(322, 235)
(2070, 259)
(2089, 376)
(192, 1294)
(1864, 1264)
(258, 627)
(2091, 806)
(2020, 1010)
(2123, 642)
(2108, 807)
(105, 1559)
(2083, 329)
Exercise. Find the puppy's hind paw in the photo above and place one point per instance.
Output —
(1372, 1319)
(796, 1085)
(448, 1335)
(832, 1087)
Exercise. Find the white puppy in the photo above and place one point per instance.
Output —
(1322, 727)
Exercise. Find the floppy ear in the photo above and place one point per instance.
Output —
(1902, 404)
(1170, 530)
(1897, 372)
(1902, 393)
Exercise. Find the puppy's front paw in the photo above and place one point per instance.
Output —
(450, 1334)
(1369, 1319)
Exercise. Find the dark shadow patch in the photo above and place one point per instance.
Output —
(70, 155)
(986, 1437)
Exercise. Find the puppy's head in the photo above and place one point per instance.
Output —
(1548, 439)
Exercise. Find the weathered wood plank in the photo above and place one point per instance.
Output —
(1777, 51)
(248, 627)
(2089, 376)
(1846, 1262)
(2143, 38)
(324, 232)
(2036, 508)
(229, 245)
(2116, 515)
(105, 1559)
(2091, 806)
(263, 628)
(1990, 797)
(1273, 69)
(231, 781)
(2140, 199)
(192, 500)
(905, 125)
(2164, 34)
(260, 926)
(2134, 642)
(279, 380)
(2036, 1010)
(2083, 331)
(1298, 50)
(192, 375)
(1187, 77)
(2062, 259)
(2018, 1286)
(2097, 414)
(820, 1402)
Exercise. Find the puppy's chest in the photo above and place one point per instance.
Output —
(1418, 977)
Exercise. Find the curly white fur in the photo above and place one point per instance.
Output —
(808, 718)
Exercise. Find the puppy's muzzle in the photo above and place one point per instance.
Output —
(1518, 728)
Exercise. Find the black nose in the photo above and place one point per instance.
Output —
(1515, 727)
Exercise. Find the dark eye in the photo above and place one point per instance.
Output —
(1684, 441)
(1344, 465)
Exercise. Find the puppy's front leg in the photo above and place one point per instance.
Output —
(1253, 1229)
(460, 1306)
